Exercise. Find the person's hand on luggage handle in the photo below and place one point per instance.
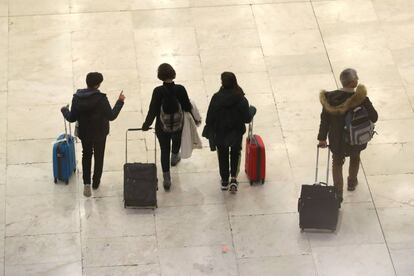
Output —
(323, 144)
(121, 97)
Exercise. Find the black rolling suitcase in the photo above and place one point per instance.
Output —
(140, 181)
(318, 204)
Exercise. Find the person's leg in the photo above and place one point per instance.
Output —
(99, 153)
(354, 161)
(235, 155)
(337, 163)
(175, 150)
(87, 151)
(223, 159)
(165, 145)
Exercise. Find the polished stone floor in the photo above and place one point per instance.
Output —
(283, 52)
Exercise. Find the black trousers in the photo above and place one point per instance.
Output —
(97, 149)
(166, 139)
(223, 158)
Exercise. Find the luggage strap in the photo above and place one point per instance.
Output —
(317, 166)
(126, 143)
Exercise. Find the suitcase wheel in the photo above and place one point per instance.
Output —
(263, 181)
(67, 182)
(251, 183)
(55, 181)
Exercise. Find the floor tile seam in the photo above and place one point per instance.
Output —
(406, 206)
(315, 263)
(150, 9)
(188, 205)
(348, 245)
(206, 245)
(379, 220)
(262, 214)
(6, 140)
(385, 174)
(118, 266)
(275, 256)
(88, 238)
(44, 235)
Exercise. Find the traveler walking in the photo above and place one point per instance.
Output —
(91, 109)
(168, 103)
(227, 115)
(346, 137)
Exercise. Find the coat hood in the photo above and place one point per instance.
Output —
(87, 99)
(339, 102)
(227, 98)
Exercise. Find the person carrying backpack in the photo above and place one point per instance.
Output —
(227, 114)
(91, 109)
(168, 103)
(347, 118)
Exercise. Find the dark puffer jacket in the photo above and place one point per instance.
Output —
(93, 112)
(335, 105)
(226, 117)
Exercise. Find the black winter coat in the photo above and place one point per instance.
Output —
(335, 105)
(156, 101)
(226, 117)
(93, 112)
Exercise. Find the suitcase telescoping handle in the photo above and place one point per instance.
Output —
(317, 165)
(250, 131)
(66, 128)
(126, 143)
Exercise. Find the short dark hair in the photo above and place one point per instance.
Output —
(166, 72)
(93, 79)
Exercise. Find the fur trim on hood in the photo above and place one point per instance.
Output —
(356, 99)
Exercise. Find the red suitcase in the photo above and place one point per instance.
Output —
(255, 165)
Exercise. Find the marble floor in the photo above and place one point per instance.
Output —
(283, 52)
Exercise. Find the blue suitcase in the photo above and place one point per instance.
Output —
(64, 159)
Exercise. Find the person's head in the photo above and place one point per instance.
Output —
(229, 82)
(349, 78)
(94, 80)
(166, 72)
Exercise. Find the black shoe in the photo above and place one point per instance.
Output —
(233, 186)
(175, 159)
(224, 185)
(352, 184)
(167, 181)
(95, 186)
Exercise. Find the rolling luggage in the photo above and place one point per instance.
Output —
(140, 181)
(64, 159)
(255, 163)
(318, 204)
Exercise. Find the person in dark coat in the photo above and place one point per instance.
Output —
(91, 109)
(335, 105)
(227, 114)
(171, 97)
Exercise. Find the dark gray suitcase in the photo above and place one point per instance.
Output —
(318, 204)
(140, 181)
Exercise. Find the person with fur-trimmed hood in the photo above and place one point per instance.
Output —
(335, 105)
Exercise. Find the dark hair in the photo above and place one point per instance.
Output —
(93, 79)
(229, 81)
(166, 72)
